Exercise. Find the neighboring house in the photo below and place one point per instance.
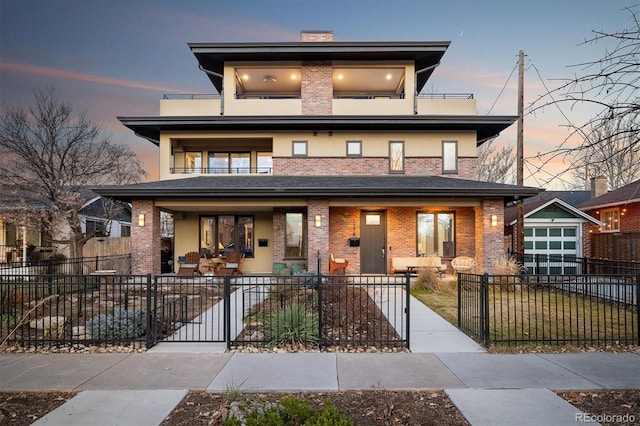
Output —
(553, 226)
(319, 147)
(618, 238)
(98, 214)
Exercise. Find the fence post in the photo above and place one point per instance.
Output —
(484, 307)
(407, 291)
(638, 307)
(319, 286)
(459, 302)
(151, 338)
(227, 310)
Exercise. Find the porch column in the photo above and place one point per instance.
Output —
(318, 236)
(489, 238)
(145, 238)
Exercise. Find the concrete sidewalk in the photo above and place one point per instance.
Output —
(141, 389)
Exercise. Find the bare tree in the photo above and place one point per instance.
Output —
(49, 154)
(610, 84)
(611, 151)
(496, 165)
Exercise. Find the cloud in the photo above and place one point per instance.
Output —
(77, 76)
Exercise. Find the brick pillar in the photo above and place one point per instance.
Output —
(145, 240)
(489, 239)
(318, 237)
(316, 88)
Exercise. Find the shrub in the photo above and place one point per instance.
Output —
(293, 324)
(287, 411)
(507, 271)
(121, 324)
(428, 279)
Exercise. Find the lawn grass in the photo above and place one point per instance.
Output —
(543, 315)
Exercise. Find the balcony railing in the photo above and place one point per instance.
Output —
(267, 95)
(222, 171)
(445, 96)
(191, 96)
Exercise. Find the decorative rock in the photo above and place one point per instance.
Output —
(47, 323)
(257, 335)
(79, 332)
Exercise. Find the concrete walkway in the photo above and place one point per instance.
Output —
(491, 389)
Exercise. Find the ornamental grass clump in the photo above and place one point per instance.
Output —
(428, 279)
(292, 324)
(507, 272)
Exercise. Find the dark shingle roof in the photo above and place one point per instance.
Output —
(255, 186)
(627, 194)
(573, 198)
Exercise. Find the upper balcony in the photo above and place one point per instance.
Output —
(344, 104)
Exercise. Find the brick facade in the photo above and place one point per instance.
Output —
(489, 239)
(370, 166)
(318, 237)
(316, 88)
(145, 240)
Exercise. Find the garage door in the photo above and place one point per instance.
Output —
(557, 247)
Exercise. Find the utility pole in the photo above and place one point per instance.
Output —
(520, 155)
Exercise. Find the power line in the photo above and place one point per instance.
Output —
(503, 87)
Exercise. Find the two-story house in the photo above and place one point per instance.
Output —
(319, 147)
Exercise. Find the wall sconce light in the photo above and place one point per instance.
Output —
(141, 219)
(318, 219)
(494, 220)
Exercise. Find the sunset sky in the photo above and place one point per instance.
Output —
(117, 58)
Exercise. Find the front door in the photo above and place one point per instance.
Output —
(373, 242)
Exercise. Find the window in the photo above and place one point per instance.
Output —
(125, 230)
(220, 235)
(265, 162)
(295, 235)
(299, 148)
(436, 234)
(354, 148)
(97, 226)
(229, 162)
(449, 157)
(396, 157)
(611, 219)
(193, 162)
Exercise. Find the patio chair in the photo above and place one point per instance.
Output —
(463, 264)
(232, 264)
(336, 264)
(191, 265)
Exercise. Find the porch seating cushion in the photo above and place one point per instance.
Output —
(336, 264)
(405, 263)
(230, 265)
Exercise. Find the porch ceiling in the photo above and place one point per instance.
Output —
(234, 188)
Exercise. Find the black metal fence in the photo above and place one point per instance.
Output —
(560, 264)
(55, 310)
(54, 265)
(578, 309)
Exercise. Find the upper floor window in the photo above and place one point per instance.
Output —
(229, 162)
(396, 157)
(449, 157)
(299, 148)
(354, 148)
(611, 219)
(193, 162)
(265, 162)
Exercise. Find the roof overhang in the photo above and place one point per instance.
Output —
(349, 187)
(425, 55)
(486, 127)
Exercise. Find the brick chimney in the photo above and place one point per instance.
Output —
(306, 35)
(599, 186)
(316, 84)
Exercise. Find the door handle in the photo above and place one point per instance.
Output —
(383, 252)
